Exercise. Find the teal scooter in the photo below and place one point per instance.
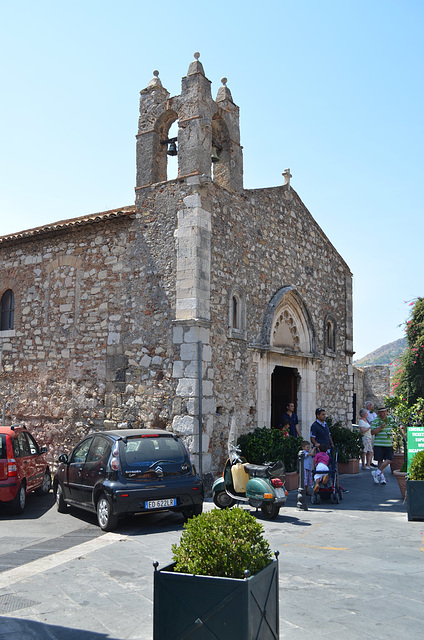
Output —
(261, 486)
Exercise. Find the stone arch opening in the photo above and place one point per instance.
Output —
(163, 128)
(286, 359)
(221, 152)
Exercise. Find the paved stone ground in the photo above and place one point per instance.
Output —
(353, 570)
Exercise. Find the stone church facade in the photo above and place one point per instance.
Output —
(201, 309)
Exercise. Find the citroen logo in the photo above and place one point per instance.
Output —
(159, 471)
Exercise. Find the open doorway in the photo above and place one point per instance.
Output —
(283, 390)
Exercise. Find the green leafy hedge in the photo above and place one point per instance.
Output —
(416, 467)
(222, 542)
(349, 442)
(268, 445)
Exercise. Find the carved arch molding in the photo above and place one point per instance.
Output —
(287, 323)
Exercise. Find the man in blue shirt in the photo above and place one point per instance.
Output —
(291, 416)
(320, 433)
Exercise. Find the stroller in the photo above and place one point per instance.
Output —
(331, 489)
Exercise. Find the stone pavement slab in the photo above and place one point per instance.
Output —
(353, 570)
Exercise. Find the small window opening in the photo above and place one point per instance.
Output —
(236, 313)
(330, 336)
(7, 311)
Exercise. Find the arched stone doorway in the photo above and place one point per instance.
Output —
(287, 360)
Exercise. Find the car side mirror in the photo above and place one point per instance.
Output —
(63, 458)
(43, 449)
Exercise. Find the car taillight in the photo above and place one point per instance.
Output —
(276, 482)
(114, 463)
(12, 469)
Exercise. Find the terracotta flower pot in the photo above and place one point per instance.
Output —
(401, 479)
(397, 461)
(349, 467)
(292, 480)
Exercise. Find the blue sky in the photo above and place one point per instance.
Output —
(332, 89)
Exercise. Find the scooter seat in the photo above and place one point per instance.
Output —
(256, 470)
(270, 470)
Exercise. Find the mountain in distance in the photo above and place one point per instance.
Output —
(387, 354)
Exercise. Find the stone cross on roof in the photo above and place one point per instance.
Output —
(287, 175)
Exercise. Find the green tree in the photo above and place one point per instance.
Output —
(408, 383)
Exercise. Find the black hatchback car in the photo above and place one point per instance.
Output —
(128, 471)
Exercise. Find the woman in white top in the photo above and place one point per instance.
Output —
(365, 429)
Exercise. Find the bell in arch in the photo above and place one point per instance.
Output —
(214, 155)
(172, 148)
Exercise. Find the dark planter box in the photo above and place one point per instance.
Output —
(207, 607)
(415, 499)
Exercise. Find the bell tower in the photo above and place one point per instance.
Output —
(208, 139)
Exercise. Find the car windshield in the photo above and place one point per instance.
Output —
(148, 450)
(2, 445)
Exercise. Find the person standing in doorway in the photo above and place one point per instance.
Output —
(291, 416)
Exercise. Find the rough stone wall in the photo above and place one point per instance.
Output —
(264, 240)
(68, 308)
(92, 344)
(371, 383)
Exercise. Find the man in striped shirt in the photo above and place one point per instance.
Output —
(382, 430)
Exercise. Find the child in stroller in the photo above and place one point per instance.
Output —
(326, 477)
(321, 462)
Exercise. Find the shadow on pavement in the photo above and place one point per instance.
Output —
(19, 629)
(362, 495)
(35, 507)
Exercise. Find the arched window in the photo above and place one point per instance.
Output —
(7, 311)
(237, 314)
(330, 335)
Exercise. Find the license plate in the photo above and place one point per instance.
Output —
(279, 492)
(160, 504)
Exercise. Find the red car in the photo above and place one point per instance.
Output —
(23, 467)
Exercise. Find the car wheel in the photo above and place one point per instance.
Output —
(193, 511)
(106, 519)
(18, 502)
(223, 500)
(61, 505)
(46, 486)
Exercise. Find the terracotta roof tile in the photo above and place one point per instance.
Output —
(62, 225)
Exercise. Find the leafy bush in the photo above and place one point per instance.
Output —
(268, 445)
(416, 467)
(405, 415)
(222, 543)
(349, 443)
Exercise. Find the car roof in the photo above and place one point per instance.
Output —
(128, 433)
(12, 429)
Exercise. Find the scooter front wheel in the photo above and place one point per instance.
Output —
(269, 510)
(223, 500)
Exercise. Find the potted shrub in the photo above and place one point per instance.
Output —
(269, 445)
(349, 445)
(402, 414)
(223, 582)
(415, 487)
